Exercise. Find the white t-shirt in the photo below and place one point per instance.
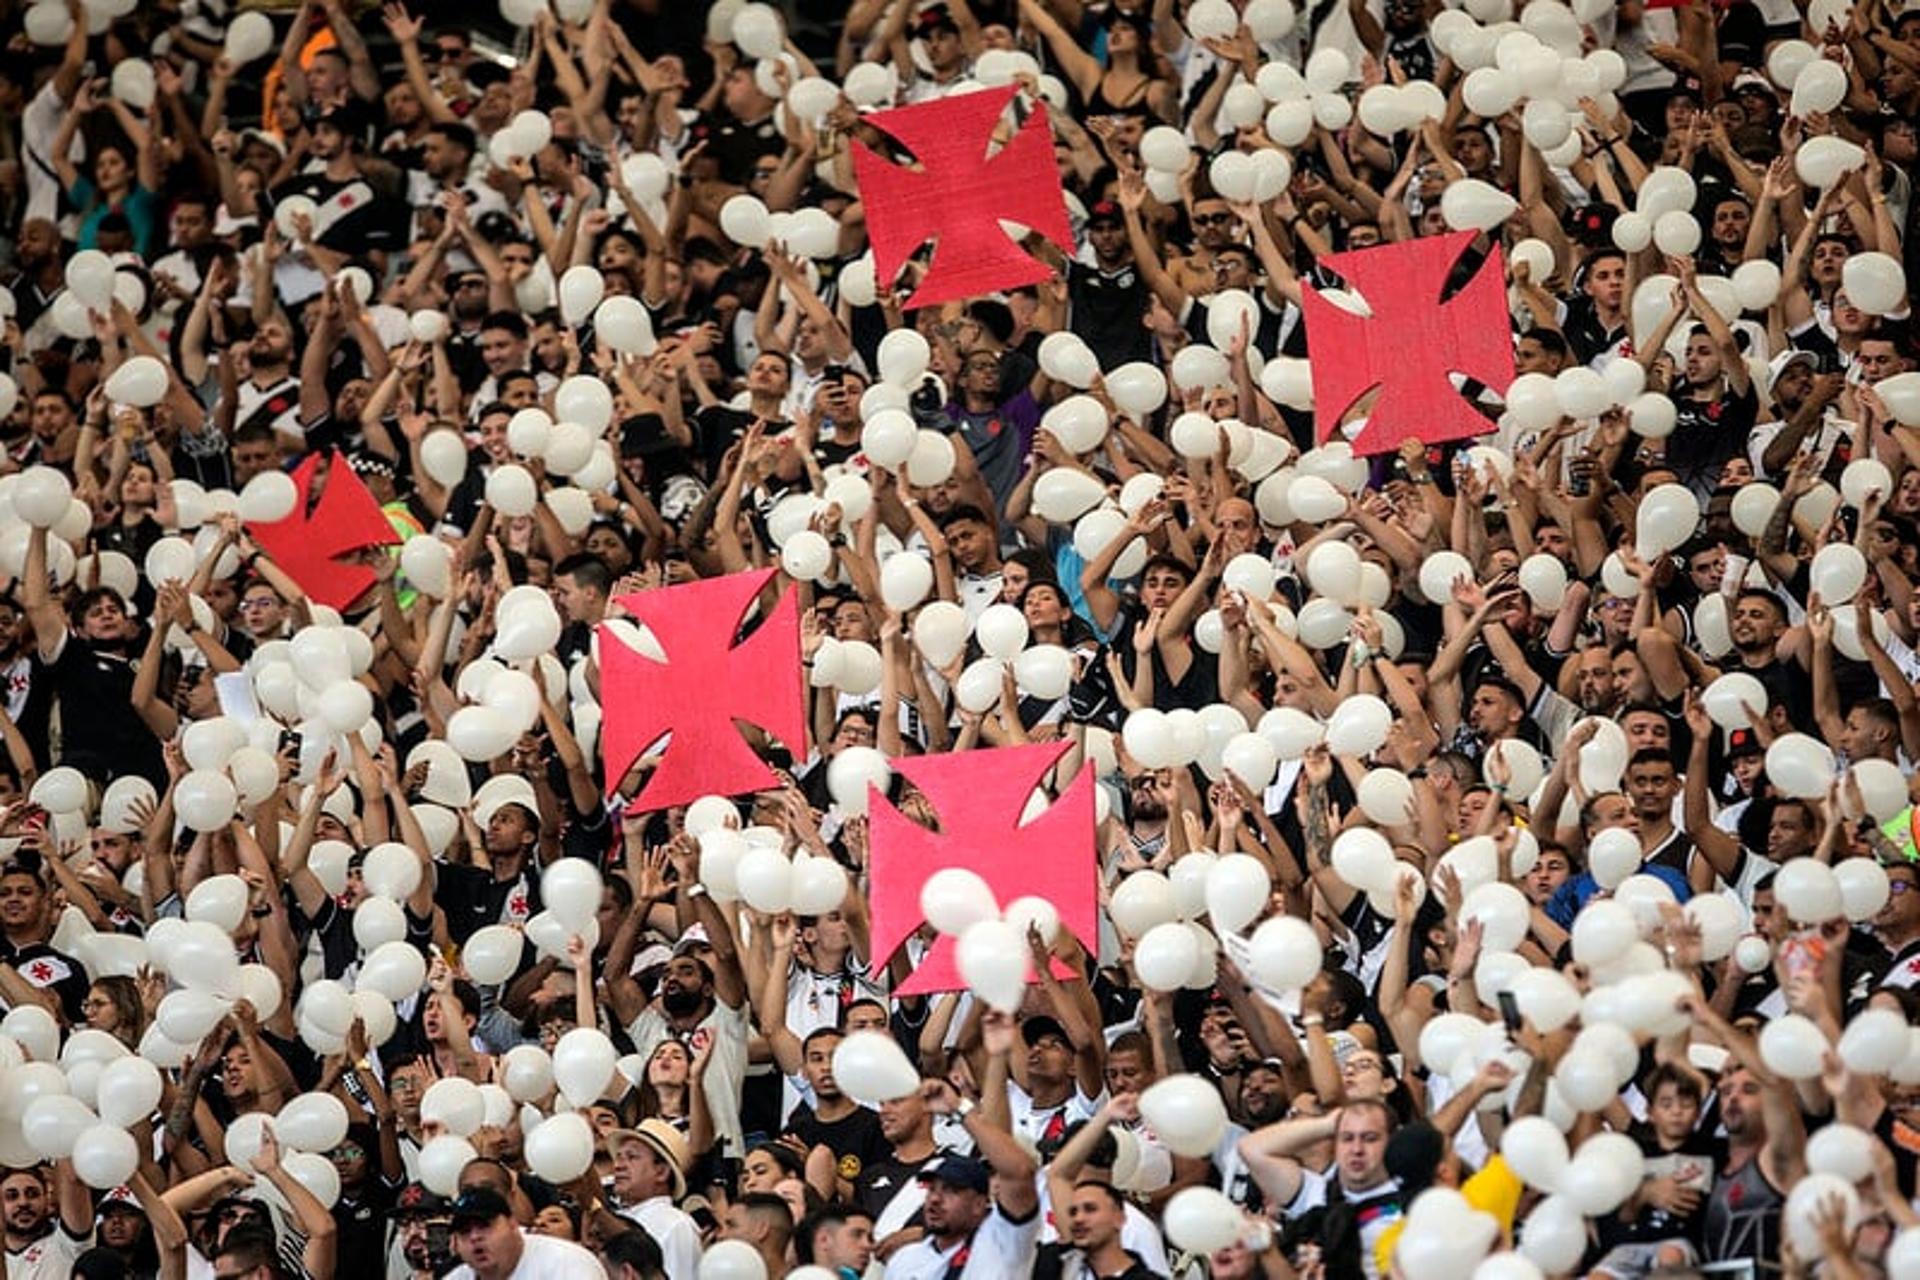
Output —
(50, 1257)
(546, 1258)
(1313, 1194)
(726, 1071)
(999, 1248)
(673, 1231)
(1034, 1122)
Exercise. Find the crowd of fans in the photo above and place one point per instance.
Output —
(1504, 847)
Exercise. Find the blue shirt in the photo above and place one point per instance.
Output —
(1577, 892)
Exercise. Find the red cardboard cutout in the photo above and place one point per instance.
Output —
(979, 797)
(706, 683)
(1410, 343)
(958, 195)
(309, 543)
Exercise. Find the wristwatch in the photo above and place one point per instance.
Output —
(964, 1110)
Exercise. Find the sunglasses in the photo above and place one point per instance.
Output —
(448, 52)
(1899, 886)
(1211, 219)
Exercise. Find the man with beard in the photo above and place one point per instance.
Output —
(90, 661)
(31, 971)
(351, 218)
(1108, 297)
(270, 395)
(890, 1189)
(1767, 649)
(982, 1216)
(423, 1229)
(38, 280)
(1764, 1151)
(698, 996)
(41, 1246)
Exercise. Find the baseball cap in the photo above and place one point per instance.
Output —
(277, 145)
(121, 1200)
(936, 18)
(1038, 1028)
(415, 1199)
(1103, 211)
(479, 1204)
(964, 1172)
(1743, 742)
(1786, 360)
(666, 1142)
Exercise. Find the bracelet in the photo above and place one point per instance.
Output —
(261, 913)
(696, 890)
(965, 1109)
(1312, 1020)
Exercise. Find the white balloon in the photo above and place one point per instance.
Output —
(1800, 766)
(105, 1156)
(583, 1064)
(1185, 1113)
(1469, 204)
(992, 959)
(871, 1069)
(440, 1162)
(1237, 889)
(314, 1122)
(1201, 1220)
(1874, 281)
(1285, 953)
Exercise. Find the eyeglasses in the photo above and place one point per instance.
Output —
(349, 1151)
(1211, 219)
(92, 1003)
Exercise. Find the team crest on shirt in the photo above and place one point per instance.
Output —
(46, 970)
(850, 1167)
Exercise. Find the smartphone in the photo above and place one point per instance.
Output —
(1803, 952)
(289, 742)
(439, 1241)
(1509, 1010)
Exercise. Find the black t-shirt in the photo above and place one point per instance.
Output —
(338, 950)
(855, 1139)
(360, 1224)
(101, 734)
(719, 427)
(1707, 433)
(1584, 331)
(1051, 1264)
(1691, 1165)
(49, 970)
(351, 217)
(1107, 310)
(473, 899)
(737, 144)
(885, 1178)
